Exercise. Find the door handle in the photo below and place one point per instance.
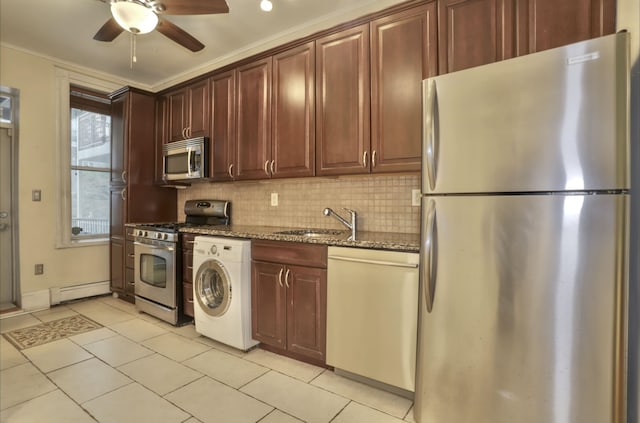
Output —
(430, 132)
(286, 277)
(429, 254)
(280, 277)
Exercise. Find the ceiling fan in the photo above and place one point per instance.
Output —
(143, 16)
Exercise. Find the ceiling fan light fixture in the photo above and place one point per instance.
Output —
(266, 5)
(134, 17)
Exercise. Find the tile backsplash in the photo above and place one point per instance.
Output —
(383, 203)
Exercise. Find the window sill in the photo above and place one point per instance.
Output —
(76, 243)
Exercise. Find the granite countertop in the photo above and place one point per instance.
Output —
(374, 240)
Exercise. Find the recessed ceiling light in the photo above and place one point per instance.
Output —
(266, 5)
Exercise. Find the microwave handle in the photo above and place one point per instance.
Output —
(189, 158)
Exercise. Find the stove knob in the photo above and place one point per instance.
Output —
(165, 236)
(139, 232)
(214, 249)
(146, 234)
(158, 236)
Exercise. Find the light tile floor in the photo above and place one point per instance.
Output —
(140, 369)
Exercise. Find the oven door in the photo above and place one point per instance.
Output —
(155, 272)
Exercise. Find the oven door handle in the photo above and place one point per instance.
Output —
(153, 247)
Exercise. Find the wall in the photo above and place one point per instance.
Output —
(628, 17)
(383, 203)
(34, 77)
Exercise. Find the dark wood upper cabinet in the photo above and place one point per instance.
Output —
(474, 32)
(253, 126)
(293, 118)
(545, 24)
(188, 111)
(342, 102)
(403, 53)
(222, 143)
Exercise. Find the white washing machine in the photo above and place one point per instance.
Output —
(222, 290)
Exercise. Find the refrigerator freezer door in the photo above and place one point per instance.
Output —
(528, 310)
(551, 121)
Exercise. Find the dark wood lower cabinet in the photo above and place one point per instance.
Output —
(187, 241)
(289, 298)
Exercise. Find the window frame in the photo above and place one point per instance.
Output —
(67, 80)
(94, 102)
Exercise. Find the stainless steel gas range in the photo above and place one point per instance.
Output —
(158, 259)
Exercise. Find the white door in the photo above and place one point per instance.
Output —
(6, 250)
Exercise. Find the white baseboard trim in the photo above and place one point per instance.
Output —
(68, 293)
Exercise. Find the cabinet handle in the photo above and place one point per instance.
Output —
(364, 159)
(184, 133)
(373, 158)
(124, 176)
(190, 267)
(189, 301)
(231, 170)
(273, 162)
(190, 242)
(280, 277)
(188, 132)
(123, 194)
(286, 277)
(131, 255)
(266, 167)
(132, 283)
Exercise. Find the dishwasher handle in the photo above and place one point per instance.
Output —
(378, 262)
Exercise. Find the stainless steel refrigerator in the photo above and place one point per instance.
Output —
(525, 234)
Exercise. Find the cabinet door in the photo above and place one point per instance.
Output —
(554, 23)
(403, 53)
(119, 108)
(161, 136)
(268, 304)
(293, 119)
(199, 108)
(474, 32)
(306, 311)
(342, 102)
(253, 153)
(117, 265)
(223, 126)
(118, 211)
(176, 114)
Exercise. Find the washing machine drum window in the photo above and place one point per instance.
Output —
(212, 288)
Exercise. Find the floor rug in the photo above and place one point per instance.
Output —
(43, 333)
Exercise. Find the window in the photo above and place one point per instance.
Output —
(90, 163)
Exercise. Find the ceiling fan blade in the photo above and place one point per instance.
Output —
(109, 31)
(179, 35)
(190, 7)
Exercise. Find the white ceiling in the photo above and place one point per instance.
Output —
(64, 29)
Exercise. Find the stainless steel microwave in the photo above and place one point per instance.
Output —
(185, 159)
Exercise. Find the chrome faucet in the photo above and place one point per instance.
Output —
(351, 225)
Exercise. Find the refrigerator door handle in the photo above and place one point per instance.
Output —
(429, 253)
(430, 134)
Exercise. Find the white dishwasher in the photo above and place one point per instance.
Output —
(372, 314)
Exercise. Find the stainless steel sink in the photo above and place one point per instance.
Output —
(315, 233)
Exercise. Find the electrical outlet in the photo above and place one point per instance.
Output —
(274, 198)
(415, 197)
(38, 269)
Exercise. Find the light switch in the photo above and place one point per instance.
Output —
(36, 195)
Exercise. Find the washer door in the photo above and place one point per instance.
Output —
(213, 288)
